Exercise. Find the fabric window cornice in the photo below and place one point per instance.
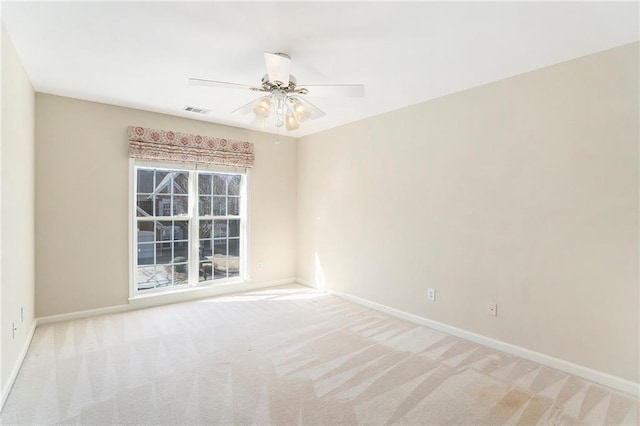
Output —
(153, 144)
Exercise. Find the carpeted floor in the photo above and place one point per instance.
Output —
(288, 355)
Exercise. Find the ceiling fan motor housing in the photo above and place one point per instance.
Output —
(269, 86)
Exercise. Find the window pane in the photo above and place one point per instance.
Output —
(163, 182)
(206, 271)
(204, 208)
(234, 184)
(145, 254)
(219, 206)
(233, 208)
(145, 181)
(149, 277)
(219, 184)
(205, 229)
(219, 247)
(164, 230)
(180, 205)
(204, 184)
(144, 206)
(145, 232)
(234, 227)
(234, 247)
(180, 274)
(219, 267)
(180, 252)
(233, 266)
(206, 249)
(181, 230)
(219, 228)
(222, 272)
(163, 205)
(163, 253)
(181, 183)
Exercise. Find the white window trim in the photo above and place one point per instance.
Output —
(194, 284)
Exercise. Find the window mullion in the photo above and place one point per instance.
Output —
(194, 231)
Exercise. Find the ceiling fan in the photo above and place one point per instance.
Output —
(283, 97)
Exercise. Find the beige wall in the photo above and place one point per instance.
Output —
(17, 210)
(523, 193)
(82, 184)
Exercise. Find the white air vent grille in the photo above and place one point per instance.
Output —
(196, 110)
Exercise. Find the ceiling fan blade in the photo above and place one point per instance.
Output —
(246, 109)
(278, 66)
(335, 90)
(220, 84)
(314, 110)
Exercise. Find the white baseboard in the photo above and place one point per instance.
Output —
(305, 283)
(614, 382)
(83, 314)
(18, 364)
(159, 299)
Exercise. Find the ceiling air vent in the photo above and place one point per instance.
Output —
(196, 110)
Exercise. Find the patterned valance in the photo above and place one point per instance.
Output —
(152, 144)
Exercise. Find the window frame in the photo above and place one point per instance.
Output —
(193, 217)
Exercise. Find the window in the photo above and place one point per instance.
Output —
(189, 228)
(219, 229)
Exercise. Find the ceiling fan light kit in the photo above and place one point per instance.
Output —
(263, 107)
(300, 112)
(283, 103)
(291, 122)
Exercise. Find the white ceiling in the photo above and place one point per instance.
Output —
(141, 54)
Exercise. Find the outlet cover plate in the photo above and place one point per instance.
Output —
(492, 309)
(431, 294)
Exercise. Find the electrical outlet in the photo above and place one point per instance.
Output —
(260, 265)
(492, 309)
(431, 294)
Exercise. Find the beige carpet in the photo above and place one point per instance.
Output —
(288, 355)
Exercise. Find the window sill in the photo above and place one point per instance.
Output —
(183, 294)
